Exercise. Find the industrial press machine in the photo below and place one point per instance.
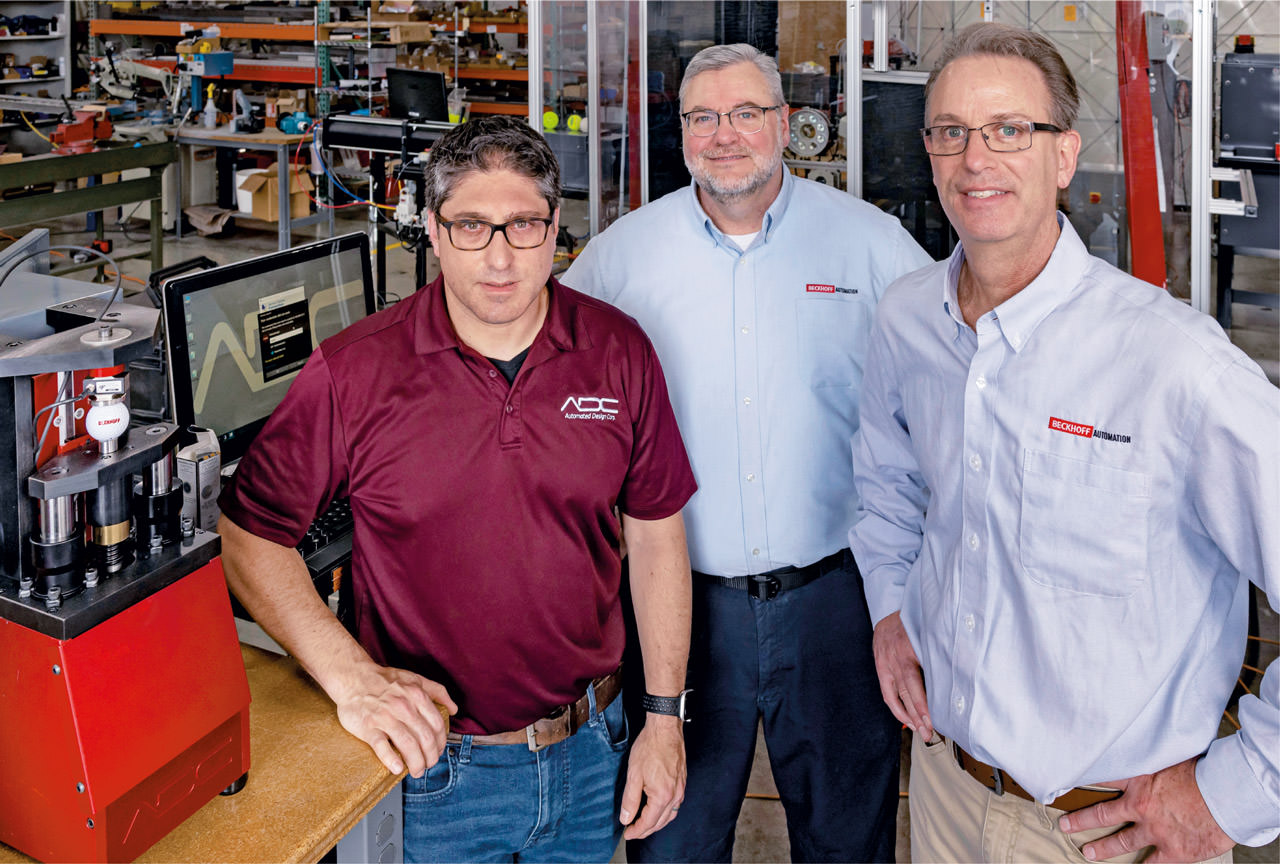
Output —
(123, 696)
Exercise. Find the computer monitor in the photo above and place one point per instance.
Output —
(416, 94)
(238, 335)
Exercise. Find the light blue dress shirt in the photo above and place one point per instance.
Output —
(1066, 506)
(763, 351)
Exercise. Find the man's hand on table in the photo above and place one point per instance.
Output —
(395, 712)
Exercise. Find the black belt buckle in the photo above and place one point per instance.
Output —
(763, 586)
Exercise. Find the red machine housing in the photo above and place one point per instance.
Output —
(110, 739)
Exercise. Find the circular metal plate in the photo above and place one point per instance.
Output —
(810, 132)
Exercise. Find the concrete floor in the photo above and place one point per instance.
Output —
(761, 835)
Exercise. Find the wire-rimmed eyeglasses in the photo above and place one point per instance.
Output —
(472, 235)
(1003, 136)
(747, 119)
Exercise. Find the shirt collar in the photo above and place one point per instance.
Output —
(1021, 314)
(772, 216)
(433, 331)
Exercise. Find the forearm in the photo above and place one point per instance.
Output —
(1239, 777)
(661, 591)
(273, 584)
(662, 595)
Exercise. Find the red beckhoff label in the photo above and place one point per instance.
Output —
(1060, 425)
(820, 289)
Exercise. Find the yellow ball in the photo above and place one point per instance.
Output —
(574, 123)
(550, 120)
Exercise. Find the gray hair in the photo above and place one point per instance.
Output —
(721, 56)
(1002, 40)
(490, 143)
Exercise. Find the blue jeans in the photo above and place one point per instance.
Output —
(507, 803)
(801, 663)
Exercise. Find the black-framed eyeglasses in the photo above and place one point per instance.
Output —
(1003, 136)
(472, 235)
(747, 119)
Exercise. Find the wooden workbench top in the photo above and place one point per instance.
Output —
(309, 783)
(270, 135)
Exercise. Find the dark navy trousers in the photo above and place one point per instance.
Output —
(802, 663)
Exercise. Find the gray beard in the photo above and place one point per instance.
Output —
(725, 192)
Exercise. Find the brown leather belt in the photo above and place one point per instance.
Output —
(560, 723)
(1000, 782)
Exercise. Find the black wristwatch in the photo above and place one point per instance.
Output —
(674, 706)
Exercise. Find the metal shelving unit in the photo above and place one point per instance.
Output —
(56, 46)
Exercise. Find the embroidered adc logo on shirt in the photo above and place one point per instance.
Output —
(1071, 428)
(815, 288)
(589, 408)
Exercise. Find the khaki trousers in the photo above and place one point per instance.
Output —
(956, 818)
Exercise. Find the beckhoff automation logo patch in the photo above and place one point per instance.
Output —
(589, 408)
(1083, 430)
(815, 288)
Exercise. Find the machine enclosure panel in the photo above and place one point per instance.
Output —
(148, 710)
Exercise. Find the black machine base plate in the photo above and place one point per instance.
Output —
(112, 595)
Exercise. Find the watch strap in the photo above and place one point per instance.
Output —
(673, 706)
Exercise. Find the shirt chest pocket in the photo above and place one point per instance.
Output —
(1083, 526)
(831, 336)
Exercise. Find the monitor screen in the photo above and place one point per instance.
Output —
(416, 94)
(237, 335)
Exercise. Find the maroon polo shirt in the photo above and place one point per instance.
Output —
(486, 547)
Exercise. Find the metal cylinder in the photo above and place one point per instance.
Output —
(57, 518)
(108, 446)
(107, 512)
(159, 476)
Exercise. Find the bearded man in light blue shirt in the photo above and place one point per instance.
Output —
(758, 290)
(1068, 479)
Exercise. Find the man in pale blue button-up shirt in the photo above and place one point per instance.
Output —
(1068, 479)
(758, 290)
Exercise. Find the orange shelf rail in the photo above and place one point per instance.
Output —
(251, 70)
(493, 73)
(227, 29)
(500, 108)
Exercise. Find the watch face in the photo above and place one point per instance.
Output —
(683, 700)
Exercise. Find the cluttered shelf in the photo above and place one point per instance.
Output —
(42, 37)
(405, 32)
(39, 80)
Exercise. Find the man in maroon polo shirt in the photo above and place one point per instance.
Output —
(485, 430)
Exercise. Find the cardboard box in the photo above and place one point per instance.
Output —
(258, 194)
(6, 158)
(199, 469)
(402, 10)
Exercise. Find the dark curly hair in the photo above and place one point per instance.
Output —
(490, 143)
